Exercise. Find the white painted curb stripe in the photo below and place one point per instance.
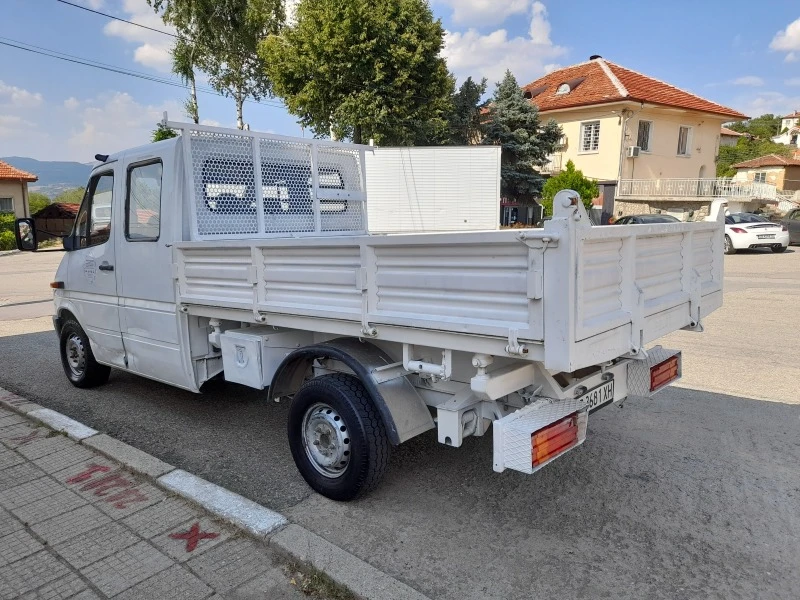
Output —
(55, 420)
(235, 508)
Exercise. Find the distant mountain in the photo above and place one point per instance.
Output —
(54, 176)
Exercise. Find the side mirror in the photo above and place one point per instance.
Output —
(69, 242)
(25, 233)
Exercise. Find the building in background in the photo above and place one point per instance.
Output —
(651, 146)
(14, 190)
(729, 137)
(790, 130)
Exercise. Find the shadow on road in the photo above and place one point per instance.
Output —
(680, 496)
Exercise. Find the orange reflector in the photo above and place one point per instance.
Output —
(555, 439)
(664, 373)
(57, 285)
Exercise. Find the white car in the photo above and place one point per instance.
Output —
(746, 230)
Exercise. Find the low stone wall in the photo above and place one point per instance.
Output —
(698, 210)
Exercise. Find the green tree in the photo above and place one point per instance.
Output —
(184, 57)
(222, 37)
(71, 196)
(162, 132)
(569, 179)
(764, 127)
(37, 202)
(747, 149)
(465, 118)
(513, 123)
(364, 69)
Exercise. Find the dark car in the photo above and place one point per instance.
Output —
(792, 222)
(645, 219)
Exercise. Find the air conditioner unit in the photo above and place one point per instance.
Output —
(633, 151)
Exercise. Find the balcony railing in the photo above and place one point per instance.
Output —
(553, 164)
(694, 188)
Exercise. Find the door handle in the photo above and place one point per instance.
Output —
(106, 267)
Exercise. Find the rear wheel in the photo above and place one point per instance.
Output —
(79, 364)
(778, 248)
(728, 246)
(337, 438)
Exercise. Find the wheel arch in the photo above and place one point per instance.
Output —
(402, 410)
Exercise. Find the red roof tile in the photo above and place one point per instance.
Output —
(770, 160)
(599, 81)
(7, 172)
(726, 131)
(794, 115)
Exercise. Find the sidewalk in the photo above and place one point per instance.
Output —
(74, 524)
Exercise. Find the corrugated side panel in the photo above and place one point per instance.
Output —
(600, 284)
(220, 274)
(433, 189)
(481, 284)
(703, 250)
(319, 278)
(659, 269)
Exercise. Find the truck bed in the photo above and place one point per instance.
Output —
(570, 295)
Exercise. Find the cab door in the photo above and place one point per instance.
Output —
(91, 283)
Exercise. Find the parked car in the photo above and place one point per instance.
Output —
(792, 222)
(645, 219)
(746, 230)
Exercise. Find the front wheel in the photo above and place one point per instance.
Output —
(728, 247)
(337, 438)
(779, 248)
(79, 364)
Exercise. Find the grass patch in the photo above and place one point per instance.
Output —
(316, 584)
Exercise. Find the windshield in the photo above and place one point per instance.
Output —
(658, 219)
(745, 218)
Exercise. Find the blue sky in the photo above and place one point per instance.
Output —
(52, 110)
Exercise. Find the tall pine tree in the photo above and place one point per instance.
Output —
(465, 120)
(513, 123)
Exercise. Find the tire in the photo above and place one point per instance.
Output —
(80, 366)
(336, 412)
(728, 247)
(778, 249)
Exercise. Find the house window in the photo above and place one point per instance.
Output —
(590, 136)
(684, 140)
(645, 132)
(6, 205)
(760, 177)
(793, 139)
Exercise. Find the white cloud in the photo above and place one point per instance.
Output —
(11, 95)
(776, 103)
(791, 57)
(71, 103)
(211, 123)
(788, 40)
(471, 53)
(792, 81)
(750, 80)
(485, 12)
(152, 47)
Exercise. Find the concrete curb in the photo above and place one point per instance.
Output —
(292, 540)
(8, 252)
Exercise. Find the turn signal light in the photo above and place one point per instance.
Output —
(555, 439)
(738, 230)
(57, 285)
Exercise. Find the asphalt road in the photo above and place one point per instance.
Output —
(692, 494)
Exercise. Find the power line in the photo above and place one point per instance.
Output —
(97, 12)
(114, 69)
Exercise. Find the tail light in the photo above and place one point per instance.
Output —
(738, 230)
(548, 442)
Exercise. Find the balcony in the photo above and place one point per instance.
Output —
(553, 165)
(697, 189)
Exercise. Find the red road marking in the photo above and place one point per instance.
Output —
(126, 498)
(104, 485)
(91, 469)
(113, 488)
(193, 536)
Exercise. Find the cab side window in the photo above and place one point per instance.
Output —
(93, 223)
(796, 216)
(143, 204)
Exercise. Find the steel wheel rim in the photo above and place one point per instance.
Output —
(727, 243)
(326, 440)
(75, 353)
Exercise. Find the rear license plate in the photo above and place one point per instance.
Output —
(766, 236)
(598, 396)
(664, 373)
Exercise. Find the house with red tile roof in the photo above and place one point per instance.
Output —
(790, 130)
(631, 131)
(729, 137)
(14, 190)
(781, 171)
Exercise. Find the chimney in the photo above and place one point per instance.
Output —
(595, 57)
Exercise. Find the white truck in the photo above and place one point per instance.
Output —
(247, 256)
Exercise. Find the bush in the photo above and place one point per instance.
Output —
(7, 222)
(7, 241)
(569, 179)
